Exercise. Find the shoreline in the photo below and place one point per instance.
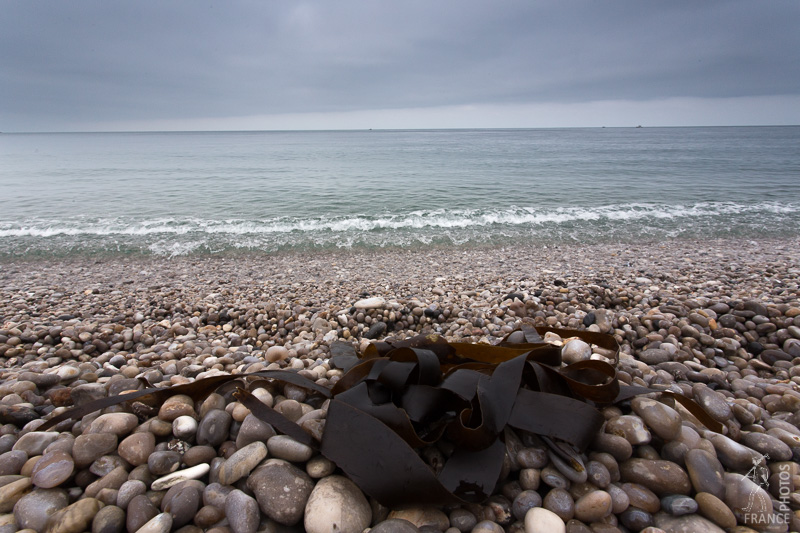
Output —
(717, 321)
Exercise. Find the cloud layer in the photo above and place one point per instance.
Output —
(93, 64)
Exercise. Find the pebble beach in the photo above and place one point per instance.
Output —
(717, 321)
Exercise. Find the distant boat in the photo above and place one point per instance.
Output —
(639, 126)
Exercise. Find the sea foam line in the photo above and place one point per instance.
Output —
(418, 219)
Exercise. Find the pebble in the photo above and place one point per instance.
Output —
(288, 449)
(137, 448)
(282, 490)
(214, 427)
(242, 512)
(575, 350)
(396, 525)
(629, 427)
(88, 448)
(161, 523)
(74, 518)
(336, 503)
(715, 510)
(750, 503)
(241, 463)
(705, 472)
(12, 492)
(53, 469)
(195, 472)
(118, 424)
(560, 502)
(140, 511)
(593, 507)
(662, 477)
(689, 328)
(661, 419)
(685, 524)
(423, 517)
(541, 520)
(109, 519)
(34, 509)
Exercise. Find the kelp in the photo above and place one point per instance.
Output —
(401, 397)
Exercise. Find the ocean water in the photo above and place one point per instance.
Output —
(262, 192)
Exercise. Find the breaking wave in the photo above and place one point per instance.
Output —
(170, 236)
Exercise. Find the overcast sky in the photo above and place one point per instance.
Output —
(131, 65)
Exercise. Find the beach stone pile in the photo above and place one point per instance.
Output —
(711, 321)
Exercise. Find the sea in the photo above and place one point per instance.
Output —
(204, 193)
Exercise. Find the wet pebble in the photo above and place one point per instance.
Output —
(242, 512)
(288, 449)
(53, 469)
(34, 509)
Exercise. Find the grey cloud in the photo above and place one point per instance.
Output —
(75, 62)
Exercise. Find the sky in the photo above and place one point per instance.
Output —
(127, 65)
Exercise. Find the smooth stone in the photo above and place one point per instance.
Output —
(282, 490)
(117, 423)
(767, 445)
(175, 406)
(184, 427)
(576, 350)
(636, 519)
(161, 523)
(662, 477)
(34, 509)
(242, 512)
(199, 454)
(112, 480)
(208, 515)
(715, 510)
(88, 448)
(109, 519)
(567, 470)
(524, 502)
(106, 464)
(487, 526)
(692, 523)
(395, 525)
(214, 427)
(616, 446)
(713, 402)
(732, 455)
(641, 497)
(288, 449)
(427, 517)
(560, 502)
(12, 492)
(540, 520)
(320, 467)
(533, 457)
(678, 505)
(598, 474)
(750, 503)
(129, 490)
(137, 448)
(705, 472)
(593, 507)
(163, 462)
(182, 502)
(276, 353)
(654, 356)
(662, 419)
(375, 302)
(74, 518)
(35, 442)
(241, 463)
(253, 430)
(629, 427)
(336, 502)
(53, 469)
(170, 480)
(140, 511)
(12, 461)
(464, 520)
